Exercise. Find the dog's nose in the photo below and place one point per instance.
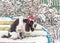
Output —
(35, 25)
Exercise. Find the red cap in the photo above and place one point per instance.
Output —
(31, 18)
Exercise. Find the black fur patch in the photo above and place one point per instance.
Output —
(28, 26)
(13, 26)
(25, 20)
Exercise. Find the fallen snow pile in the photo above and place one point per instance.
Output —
(57, 41)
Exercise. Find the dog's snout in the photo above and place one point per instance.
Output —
(35, 25)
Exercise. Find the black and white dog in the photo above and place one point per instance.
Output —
(19, 27)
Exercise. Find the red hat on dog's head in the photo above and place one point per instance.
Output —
(31, 18)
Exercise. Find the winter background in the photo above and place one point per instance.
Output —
(46, 13)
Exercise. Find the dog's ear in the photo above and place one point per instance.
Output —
(25, 20)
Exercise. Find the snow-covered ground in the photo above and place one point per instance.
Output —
(40, 39)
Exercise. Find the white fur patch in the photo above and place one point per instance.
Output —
(13, 35)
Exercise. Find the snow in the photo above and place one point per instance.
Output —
(57, 41)
(39, 33)
(5, 26)
(29, 39)
(3, 33)
(5, 19)
(37, 39)
(42, 16)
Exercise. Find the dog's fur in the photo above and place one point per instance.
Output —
(21, 25)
